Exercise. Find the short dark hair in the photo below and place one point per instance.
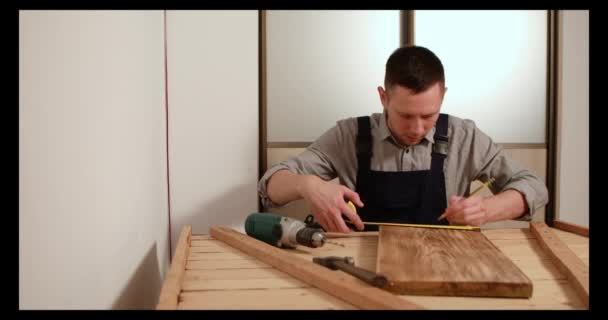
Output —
(414, 67)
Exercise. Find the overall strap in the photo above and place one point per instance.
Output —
(364, 144)
(440, 147)
(435, 195)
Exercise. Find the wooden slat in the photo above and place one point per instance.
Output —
(194, 256)
(571, 227)
(570, 238)
(366, 260)
(358, 241)
(547, 295)
(580, 250)
(521, 248)
(551, 289)
(351, 247)
(543, 269)
(576, 271)
(172, 284)
(359, 253)
(577, 243)
(351, 234)
(202, 237)
(282, 299)
(507, 234)
(212, 249)
(235, 274)
(529, 256)
(336, 283)
(226, 264)
(447, 262)
(232, 284)
(204, 243)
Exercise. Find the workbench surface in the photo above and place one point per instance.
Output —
(218, 276)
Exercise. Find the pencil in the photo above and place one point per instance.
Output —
(485, 185)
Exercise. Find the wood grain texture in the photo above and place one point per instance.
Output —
(276, 299)
(259, 290)
(572, 266)
(571, 227)
(352, 234)
(336, 283)
(226, 264)
(548, 295)
(421, 261)
(172, 284)
(577, 243)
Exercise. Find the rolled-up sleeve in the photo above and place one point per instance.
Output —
(534, 192)
(491, 160)
(262, 190)
(316, 160)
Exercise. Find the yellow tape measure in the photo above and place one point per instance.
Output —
(350, 204)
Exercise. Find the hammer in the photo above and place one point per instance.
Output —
(347, 264)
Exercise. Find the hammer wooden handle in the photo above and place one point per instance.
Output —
(375, 279)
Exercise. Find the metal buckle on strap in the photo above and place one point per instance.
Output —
(441, 145)
(441, 137)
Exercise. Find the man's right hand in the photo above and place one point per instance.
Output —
(326, 202)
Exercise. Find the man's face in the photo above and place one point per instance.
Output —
(410, 115)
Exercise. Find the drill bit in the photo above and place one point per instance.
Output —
(336, 243)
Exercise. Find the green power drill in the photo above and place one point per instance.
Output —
(283, 232)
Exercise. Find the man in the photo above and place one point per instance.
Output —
(409, 164)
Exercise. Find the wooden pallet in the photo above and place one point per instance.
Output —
(206, 273)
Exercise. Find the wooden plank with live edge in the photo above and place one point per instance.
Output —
(422, 261)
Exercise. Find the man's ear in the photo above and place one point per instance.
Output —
(443, 91)
(383, 96)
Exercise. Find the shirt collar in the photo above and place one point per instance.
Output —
(385, 132)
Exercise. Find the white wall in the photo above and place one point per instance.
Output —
(92, 173)
(213, 118)
(573, 110)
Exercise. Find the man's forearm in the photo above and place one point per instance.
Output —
(506, 205)
(285, 186)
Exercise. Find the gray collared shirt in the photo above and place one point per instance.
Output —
(472, 155)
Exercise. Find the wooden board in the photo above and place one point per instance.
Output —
(309, 298)
(172, 285)
(336, 283)
(421, 261)
(571, 227)
(574, 268)
(224, 285)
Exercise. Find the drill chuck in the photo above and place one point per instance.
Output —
(310, 237)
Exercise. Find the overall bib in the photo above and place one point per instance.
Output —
(417, 197)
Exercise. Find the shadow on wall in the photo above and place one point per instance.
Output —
(143, 289)
(231, 209)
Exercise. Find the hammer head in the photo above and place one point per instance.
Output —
(330, 262)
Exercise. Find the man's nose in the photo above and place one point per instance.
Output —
(418, 127)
